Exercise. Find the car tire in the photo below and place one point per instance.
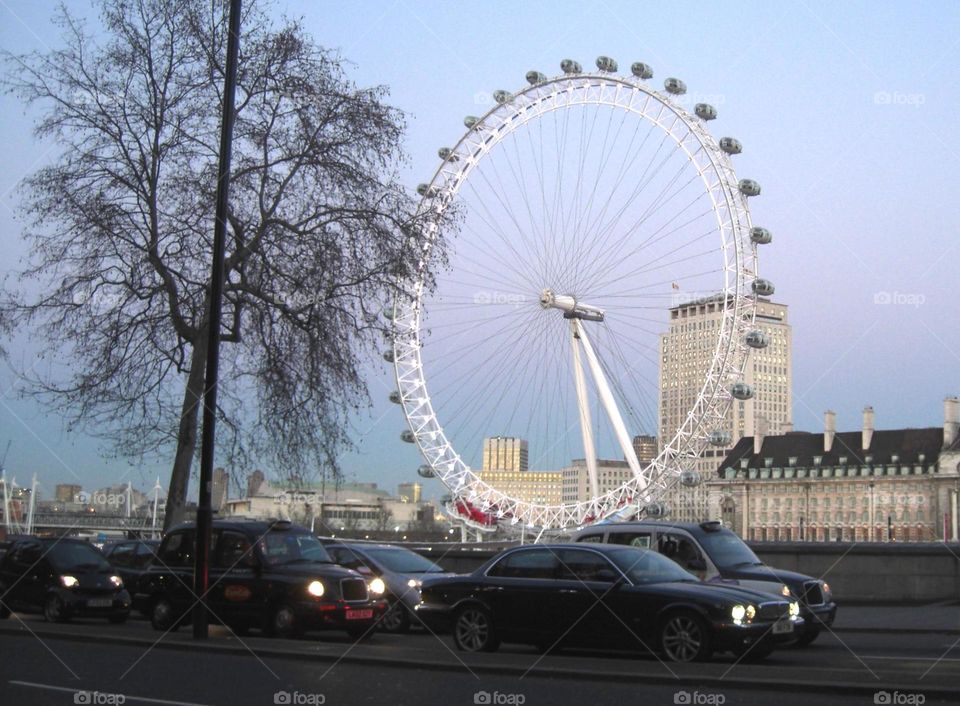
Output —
(685, 637)
(807, 637)
(163, 616)
(473, 630)
(396, 619)
(54, 611)
(118, 619)
(283, 622)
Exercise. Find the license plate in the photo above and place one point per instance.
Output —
(362, 614)
(99, 603)
(782, 626)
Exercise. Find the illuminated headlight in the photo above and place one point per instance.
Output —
(785, 591)
(69, 581)
(315, 588)
(751, 612)
(826, 589)
(116, 581)
(414, 583)
(377, 586)
(794, 609)
(738, 612)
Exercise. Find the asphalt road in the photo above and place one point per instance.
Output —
(91, 662)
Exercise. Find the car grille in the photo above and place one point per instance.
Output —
(772, 611)
(353, 589)
(813, 593)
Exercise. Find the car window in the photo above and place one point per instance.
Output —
(727, 550)
(401, 560)
(233, 551)
(593, 538)
(23, 556)
(177, 549)
(682, 549)
(122, 555)
(76, 555)
(630, 539)
(144, 554)
(584, 566)
(643, 566)
(288, 547)
(530, 564)
(346, 557)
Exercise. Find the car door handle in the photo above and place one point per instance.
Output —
(493, 588)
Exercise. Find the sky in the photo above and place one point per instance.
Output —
(846, 114)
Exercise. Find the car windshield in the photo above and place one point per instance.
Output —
(288, 548)
(643, 566)
(402, 561)
(66, 556)
(727, 550)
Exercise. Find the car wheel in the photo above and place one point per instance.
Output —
(284, 622)
(755, 652)
(396, 619)
(807, 637)
(684, 637)
(473, 630)
(54, 611)
(118, 619)
(163, 617)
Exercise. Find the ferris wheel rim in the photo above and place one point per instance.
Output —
(423, 421)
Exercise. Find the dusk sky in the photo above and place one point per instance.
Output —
(846, 113)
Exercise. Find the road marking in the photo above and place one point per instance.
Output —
(144, 699)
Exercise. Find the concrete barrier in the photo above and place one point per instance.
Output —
(861, 573)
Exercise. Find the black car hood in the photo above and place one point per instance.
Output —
(766, 573)
(716, 592)
(315, 568)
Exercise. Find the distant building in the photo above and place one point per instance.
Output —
(220, 489)
(410, 492)
(576, 479)
(505, 453)
(866, 485)
(646, 447)
(67, 492)
(538, 487)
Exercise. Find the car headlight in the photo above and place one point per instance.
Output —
(69, 581)
(751, 612)
(826, 589)
(377, 586)
(316, 588)
(785, 590)
(794, 609)
(414, 583)
(738, 612)
(116, 581)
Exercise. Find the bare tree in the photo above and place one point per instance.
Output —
(120, 228)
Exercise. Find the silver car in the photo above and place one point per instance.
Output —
(402, 570)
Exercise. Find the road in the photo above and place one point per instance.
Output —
(49, 664)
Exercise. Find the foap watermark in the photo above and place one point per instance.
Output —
(289, 497)
(292, 698)
(899, 697)
(714, 99)
(498, 298)
(914, 299)
(699, 697)
(679, 297)
(98, 697)
(897, 98)
(492, 698)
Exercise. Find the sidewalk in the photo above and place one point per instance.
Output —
(935, 618)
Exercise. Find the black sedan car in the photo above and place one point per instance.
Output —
(63, 578)
(604, 596)
(274, 576)
(131, 557)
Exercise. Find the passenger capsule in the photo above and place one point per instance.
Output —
(641, 70)
(690, 478)
(389, 313)
(757, 339)
(395, 397)
(407, 435)
(426, 190)
(731, 145)
(388, 355)
(605, 63)
(569, 66)
(762, 287)
(761, 236)
(705, 111)
(748, 187)
(675, 86)
(718, 437)
(470, 121)
(657, 510)
(426, 471)
(502, 97)
(742, 391)
(447, 154)
(535, 77)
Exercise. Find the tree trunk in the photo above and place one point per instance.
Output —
(187, 435)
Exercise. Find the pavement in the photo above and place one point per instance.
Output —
(937, 618)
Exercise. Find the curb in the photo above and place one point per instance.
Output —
(761, 683)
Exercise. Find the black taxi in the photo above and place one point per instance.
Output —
(268, 575)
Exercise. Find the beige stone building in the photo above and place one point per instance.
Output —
(686, 353)
(865, 485)
(505, 453)
(538, 487)
(576, 480)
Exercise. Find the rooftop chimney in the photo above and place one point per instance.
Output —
(951, 420)
(759, 433)
(786, 428)
(867, 427)
(829, 429)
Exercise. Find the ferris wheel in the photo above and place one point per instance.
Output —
(589, 206)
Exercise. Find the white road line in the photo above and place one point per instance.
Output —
(144, 699)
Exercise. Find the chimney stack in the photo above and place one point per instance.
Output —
(829, 429)
(951, 421)
(867, 427)
(759, 433)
